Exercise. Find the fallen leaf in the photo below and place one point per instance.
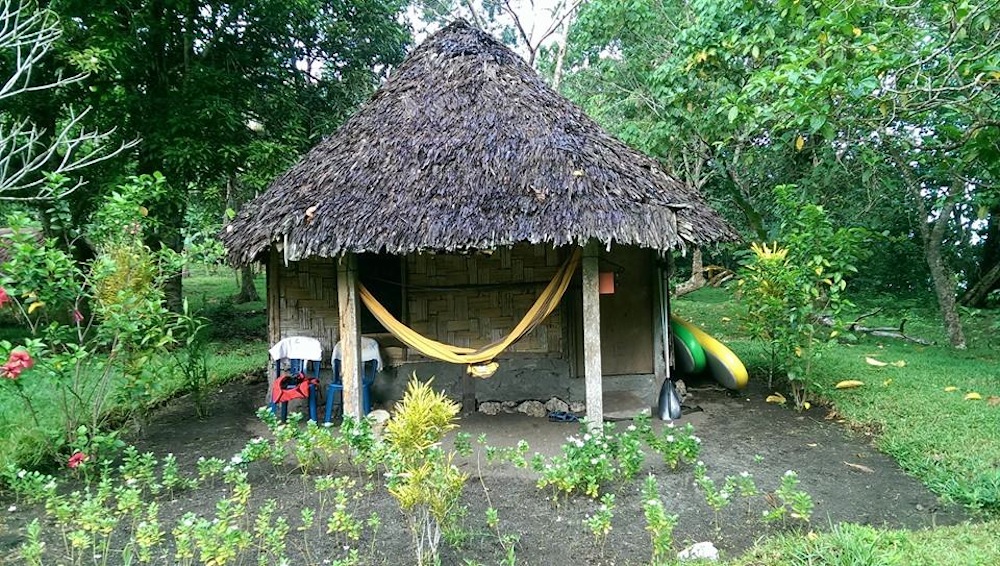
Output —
(800, 142)
(973, 396)
(772, 500)
(726, 319)
(35, 306)
(899, 364)
(812, 445)
(887, 383)
(993, 401)
(950, 389)
(860, 468)
(874, 362)
(776, 398)
(848, 384)
(806, 405)
(812, 536)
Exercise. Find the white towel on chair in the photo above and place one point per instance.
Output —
(369, 352)
(297, 348)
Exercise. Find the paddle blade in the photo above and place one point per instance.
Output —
(669, 408)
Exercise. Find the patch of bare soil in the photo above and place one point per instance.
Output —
(848, 479)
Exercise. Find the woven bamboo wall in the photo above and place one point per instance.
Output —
(474, 317)
(307, 298)
(307, 301)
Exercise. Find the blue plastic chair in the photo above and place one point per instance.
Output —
(336, 389)
(296, 367)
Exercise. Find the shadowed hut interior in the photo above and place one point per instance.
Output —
(455, 195)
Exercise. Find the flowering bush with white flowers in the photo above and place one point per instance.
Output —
(586, 463)
(675, 444)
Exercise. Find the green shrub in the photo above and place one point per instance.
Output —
(794, 288)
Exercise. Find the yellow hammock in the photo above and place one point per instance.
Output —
(479, 360)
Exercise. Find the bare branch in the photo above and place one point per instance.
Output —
(27, 152)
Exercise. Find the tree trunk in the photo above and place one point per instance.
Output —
(932, 235)
(561, 54)
(943, 286)
(976, 295)
(171, 210)
(944, 289)
(989, 265)
(697, 280)
(248, 292)
(754, 220)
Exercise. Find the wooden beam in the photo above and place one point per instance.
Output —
(350, 334)
(592, 337)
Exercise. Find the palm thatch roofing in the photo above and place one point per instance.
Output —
(465, 147)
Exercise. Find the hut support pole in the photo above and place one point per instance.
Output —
(592, 337)
(350, 334)
(661, 324)
(273, 299)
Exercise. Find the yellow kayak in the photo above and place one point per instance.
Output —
(722, 363)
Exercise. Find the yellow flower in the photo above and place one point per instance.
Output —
(765, 253)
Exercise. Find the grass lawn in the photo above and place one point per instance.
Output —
(951, 444)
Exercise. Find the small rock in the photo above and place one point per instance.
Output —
(379, 418)
(555, 405)
(509, 406)
(920, 507)
(699, 551)
(532, 408)
(490, 408)
(577, 407)
(681, 389)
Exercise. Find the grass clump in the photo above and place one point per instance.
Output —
(850, 544)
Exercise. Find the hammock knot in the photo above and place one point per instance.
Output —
(483, 370)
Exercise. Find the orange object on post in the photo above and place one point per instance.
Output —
(606, 282)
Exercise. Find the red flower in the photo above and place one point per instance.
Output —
(18, 361)
(77, 459)
(77, 316)
(4, 297)
(23, 357)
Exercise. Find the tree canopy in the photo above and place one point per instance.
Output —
(885, 112)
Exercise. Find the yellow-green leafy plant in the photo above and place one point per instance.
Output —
(794, 289)
(420, 473)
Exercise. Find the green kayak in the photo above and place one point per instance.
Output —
(688, 353)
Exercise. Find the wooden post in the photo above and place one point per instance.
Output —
(350, 334)
(272, 276)
(592, 337)
(661, 325)
(468, 394)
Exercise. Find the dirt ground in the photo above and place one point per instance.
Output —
(739, 432)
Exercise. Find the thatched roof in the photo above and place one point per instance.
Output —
(465, 147)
